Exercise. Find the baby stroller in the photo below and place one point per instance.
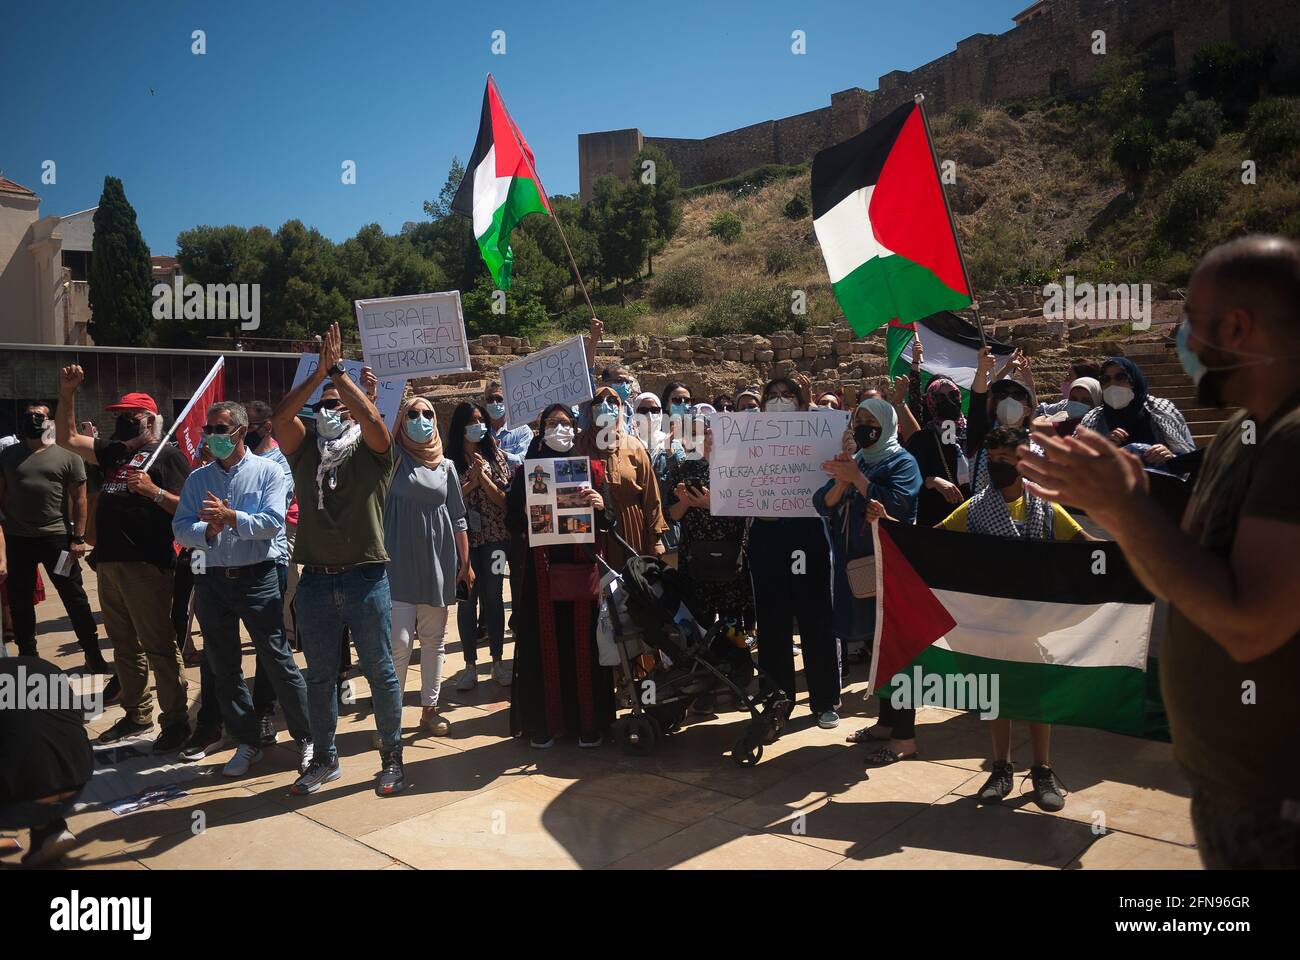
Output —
(652, 625)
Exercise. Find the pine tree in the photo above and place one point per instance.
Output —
(120, 297)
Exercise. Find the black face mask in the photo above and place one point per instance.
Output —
(865, 436)
(126, 429)
(1002, 475)
(34, 427)
(947, 409)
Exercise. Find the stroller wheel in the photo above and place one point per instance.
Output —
(640, 734)
(749, 748)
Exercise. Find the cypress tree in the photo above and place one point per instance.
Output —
(120, 278)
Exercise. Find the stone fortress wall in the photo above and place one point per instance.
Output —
(1047, 52)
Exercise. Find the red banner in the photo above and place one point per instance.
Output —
(188, 427)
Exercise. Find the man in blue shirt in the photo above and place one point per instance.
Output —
(513, 441)
(231, 514)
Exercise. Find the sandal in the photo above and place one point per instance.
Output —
(884, 756)
(864, 736)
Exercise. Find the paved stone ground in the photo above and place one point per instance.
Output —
(477, 798)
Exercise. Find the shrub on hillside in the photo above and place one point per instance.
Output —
(796, 208)
(1197, 120)
(965, 116)
(1132, 149)
(749, 309)
(1194, 197)
(1273, 129)
(1174, 156)
(679, 286)
(618, 320)
(780, 258)
(726, 227)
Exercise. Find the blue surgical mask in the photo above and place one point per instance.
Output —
(496, 410)
(1075, 409)
(678, 407)
(1193, 365)
(604, 413)
(329, 423)
(475, 432)
(624, 390)
(420, 430)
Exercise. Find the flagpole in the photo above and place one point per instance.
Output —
(952, 223)
(221, 360)
(538, 180)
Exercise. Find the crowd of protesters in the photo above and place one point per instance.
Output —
(320, 530)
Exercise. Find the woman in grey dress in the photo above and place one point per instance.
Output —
(428, 549)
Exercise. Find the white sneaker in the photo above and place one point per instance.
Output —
(306, 750)
(245, 756)
(467, 679)
(501, 673)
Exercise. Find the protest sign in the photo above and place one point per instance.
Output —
(389, 393)
(769, 464)
(558, 511)
(416, 336)
(558, 374)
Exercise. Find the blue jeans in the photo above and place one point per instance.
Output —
(358, 599)
(221, 603)
(487, 589)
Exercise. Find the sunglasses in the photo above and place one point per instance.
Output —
(333, 404)
(219, 429)
(497, 399)
(413, 414)
(650, 410)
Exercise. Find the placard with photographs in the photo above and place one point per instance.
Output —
(557, 499)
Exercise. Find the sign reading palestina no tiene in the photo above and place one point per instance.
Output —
(415, 336)
(769, 464)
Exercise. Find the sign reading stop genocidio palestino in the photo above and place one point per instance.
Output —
(557, 374)
(420, 335)
(769, 464)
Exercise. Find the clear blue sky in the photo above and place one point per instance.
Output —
(255, 131)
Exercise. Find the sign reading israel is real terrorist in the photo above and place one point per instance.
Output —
(388, 397)
(769, 464)
(416, 336)
(558, 374)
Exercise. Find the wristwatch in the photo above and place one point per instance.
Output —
(158, 497)
(338, 370)
(78, 538)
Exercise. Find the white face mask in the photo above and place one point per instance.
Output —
(559, 438)
(1010, 412)
(1117, 396)
(329, 423)
(781, 405)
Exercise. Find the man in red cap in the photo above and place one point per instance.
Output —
(134, 558)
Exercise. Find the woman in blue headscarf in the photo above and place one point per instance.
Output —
(1129, 415)
(874, 477)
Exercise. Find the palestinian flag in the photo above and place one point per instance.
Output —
(884, 227)
(950, 345)
(500, 186)
(1031, 628)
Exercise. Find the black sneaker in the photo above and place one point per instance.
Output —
(95, 662)
(1048, 790)
(124, 729)
(318, 773)
(200, 742)
(266, 730)
(172, 738)
(391, 778)
(999, 783)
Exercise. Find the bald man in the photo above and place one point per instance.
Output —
(1230, 665)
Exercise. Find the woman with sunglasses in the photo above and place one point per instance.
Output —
(559, 685)
(485, 472)
(428, 549)
(790, 564)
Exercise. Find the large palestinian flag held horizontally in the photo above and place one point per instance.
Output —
(950, 347)
(1058, 632)
(500, 186)
(883, 226)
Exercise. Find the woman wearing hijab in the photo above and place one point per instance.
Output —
(879, 479)
(1006, 402)
(1130, 415)
(939, 449)
(1081, 396)
(428, 548)
(790, 565)
(485, 471)
(559, 685)
(631, 485)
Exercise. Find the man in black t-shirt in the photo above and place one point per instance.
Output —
(135, 560)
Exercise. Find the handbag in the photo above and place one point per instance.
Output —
(714, 561)
(574, 581)
(861, 572)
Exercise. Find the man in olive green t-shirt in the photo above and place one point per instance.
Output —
(1230, 663)
(342, 475)
(43, 496)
